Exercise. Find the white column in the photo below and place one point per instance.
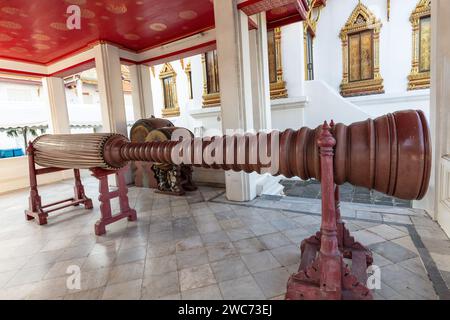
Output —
(437, 200)
(109, 76)
(56, 96)
(233, 51)
(141, 91)
(260, 74)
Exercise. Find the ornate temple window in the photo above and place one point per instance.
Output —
(309, 33)
(211, 87)
(360, 50)
(419, 77)
(169, 86)
(277, 85)
(189, 79)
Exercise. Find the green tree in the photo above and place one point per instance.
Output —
(25, 132)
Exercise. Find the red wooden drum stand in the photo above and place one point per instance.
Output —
(106, 196)
(323, 273)
(40, 212)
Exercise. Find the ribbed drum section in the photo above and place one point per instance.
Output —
(81, 151)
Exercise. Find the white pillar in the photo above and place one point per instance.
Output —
(141, 91)
(109, 76)
(260, 74)
(233, 52)
(56, 96)
(437, 200)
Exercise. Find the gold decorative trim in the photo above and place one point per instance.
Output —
(355, 25)
(310, 26)
(209, 99)
(188, 71)
(278, 89)
(388, 5)
(168, 72)
(416, 79)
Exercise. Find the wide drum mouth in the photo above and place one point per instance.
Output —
(390, 154)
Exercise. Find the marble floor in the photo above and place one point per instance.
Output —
(204, 247)
(349, 193)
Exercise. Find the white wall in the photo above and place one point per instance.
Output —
(292, 57)
(395, 53)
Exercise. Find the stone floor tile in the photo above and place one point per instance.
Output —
(239, 234)
(5, 277)
(94, 294)
(130, 255)
(161, 249)
(387, 232)
(274, 240)
(406, 243)
(229, 269)
(101, 260)
(48, 289)
(260, 261)
(17, 293)
(367, 238)
(191, 258)
(205, 293)
(175, 296)
(415, 265)
(130, 290)
(59, 269)
(189, 243)
(214, 237)
(392, 251)
(221, 250)
(262, 228)
(93, 279)
(297, 235)
(272, 282)
(126, 272)
(244, 288)
(196, 277)
(283, 224)
(250, 245)
(158, 286)
(287, 255)
(235, 223)
(160, 265)
(28, 275)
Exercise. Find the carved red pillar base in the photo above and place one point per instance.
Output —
(305, 285)
(105, 199)
(347, 244)
(322, 272)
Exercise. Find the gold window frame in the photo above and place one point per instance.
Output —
(168, 72)
(418, 79)
(278, 87)
(209, 99)
(189, 79)
(353, 26)
(310, 28)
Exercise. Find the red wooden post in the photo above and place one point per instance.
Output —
(78, 189)
(34, 200)
(105, 199)
(330, 258)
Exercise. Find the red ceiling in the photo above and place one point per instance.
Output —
(35, 31)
